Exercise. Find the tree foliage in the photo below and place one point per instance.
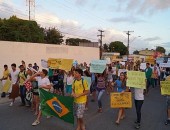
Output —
(106, 47)
(136, 52)
(53, 36)
(75, 41)
(15, 29)
(118, 46)
(160, 49)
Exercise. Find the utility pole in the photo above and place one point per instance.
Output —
(101, 38)
(128, 33)
(31, 8)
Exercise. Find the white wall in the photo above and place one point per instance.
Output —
(15, 52)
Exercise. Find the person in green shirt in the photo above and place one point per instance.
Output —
(148, 73)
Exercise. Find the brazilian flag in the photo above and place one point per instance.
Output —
(58, 106)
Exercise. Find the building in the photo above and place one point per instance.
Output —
(89, 44)
(147, 52)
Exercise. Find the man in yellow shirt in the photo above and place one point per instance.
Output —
(80, 91)
(5, 75)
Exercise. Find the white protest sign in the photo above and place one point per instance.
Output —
(143, 66)
(164, 65)
(44, 63)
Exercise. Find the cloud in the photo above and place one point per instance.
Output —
(152, 39)
(127, 19)
(81, 2)
(143, 6)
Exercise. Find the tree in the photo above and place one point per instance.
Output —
(75, 41)
(106, 47)
(53, 36)
(118, 46)
(136, 52)
(15, 29)
(160, 49)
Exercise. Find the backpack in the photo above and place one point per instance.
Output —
(82, 80)
(3, 94)
(24, 74)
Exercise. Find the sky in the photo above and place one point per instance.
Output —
(149, 19)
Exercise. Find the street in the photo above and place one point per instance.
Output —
(153, 116)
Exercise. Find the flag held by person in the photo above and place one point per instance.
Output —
(58, 106)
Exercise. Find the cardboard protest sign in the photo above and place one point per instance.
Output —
(143, 66)
(136, 79)
(98, 66)
(119, 100)
(164, 65)
(63, 64)
(165, 87)
(44, 63)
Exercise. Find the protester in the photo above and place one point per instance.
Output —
(36, 67)
(60, 87)
(22, 76)
(120, 85)
(148, 73)
(14, 90)
(109, 79)
(155, 76)
(44, 83)
(93, 87)
(79, 92)
(69, 82)
(101, 87)
(23, 63)
(5, 77)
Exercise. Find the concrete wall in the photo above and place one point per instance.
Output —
(14, 52)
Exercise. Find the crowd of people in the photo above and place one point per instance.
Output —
(72, 84)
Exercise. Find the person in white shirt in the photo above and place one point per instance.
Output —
(139, 99)
(69, 82)
(14, 89)
(44, 83)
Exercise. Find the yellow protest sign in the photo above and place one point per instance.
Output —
(64, 64)
(165, 87)
(150, 59)
(119, 100)
(136, 79)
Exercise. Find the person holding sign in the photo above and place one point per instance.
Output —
(148, 73)
(120, 85)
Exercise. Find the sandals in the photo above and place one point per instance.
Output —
(35, 123)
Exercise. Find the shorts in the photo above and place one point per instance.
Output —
(69, 89)
(79, 110)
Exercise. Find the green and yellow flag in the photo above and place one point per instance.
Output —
(58, 106)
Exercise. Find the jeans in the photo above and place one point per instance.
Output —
(100, 94)
(22, 94)
(155, 82)
(138, 105)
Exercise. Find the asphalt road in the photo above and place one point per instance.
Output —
(153, 116)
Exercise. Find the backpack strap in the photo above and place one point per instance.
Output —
(82, 80)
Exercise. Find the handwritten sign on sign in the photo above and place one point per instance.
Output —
(98, 66)
(136, 79)
(119, 100)
(63, 64)
(165, 87)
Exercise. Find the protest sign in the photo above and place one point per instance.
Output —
(98, 66)
(122, 63)
(119, 100)
(143, 66)
(88, 79)
(136, 79)
(44, 63)
(150, 59)
(164, 65)
(108, 60)
(165, 87)
(121, 71)
(63, 64)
